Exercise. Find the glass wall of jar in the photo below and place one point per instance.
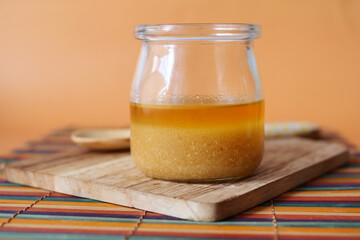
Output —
(197, 108)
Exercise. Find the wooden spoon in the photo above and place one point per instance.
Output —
(113, 139)
(102, 139)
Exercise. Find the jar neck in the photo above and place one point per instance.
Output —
(244, 43)
(198, 32)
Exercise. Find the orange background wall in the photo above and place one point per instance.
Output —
(72, 62)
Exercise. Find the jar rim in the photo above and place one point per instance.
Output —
(197, 31)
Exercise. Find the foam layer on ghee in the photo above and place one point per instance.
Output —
(197, 142)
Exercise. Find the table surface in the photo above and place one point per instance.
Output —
(325, 208)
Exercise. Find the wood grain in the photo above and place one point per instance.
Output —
(113, 177)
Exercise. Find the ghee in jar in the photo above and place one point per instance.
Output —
(197, 142)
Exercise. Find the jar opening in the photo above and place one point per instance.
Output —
(197, 31)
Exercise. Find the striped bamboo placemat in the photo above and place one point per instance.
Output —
(326, 208)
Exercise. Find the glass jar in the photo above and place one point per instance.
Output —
(197, 109)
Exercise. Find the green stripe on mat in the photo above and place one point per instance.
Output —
(341, 175)
(351, 165)
(133, 220)
(11, 184)
(6, 215)
(325, 188)
(310, 224)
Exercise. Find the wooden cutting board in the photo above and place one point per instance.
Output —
(113, 177)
